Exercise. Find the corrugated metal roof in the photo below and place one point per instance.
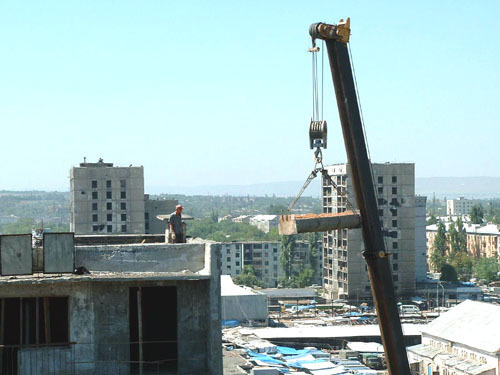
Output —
(425, 350)
(475, 324)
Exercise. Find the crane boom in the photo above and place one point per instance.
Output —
(336, 38)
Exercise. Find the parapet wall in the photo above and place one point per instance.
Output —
(143, 257)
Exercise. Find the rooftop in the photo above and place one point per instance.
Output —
(470, 323)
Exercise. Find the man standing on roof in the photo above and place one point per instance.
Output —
(175, 224)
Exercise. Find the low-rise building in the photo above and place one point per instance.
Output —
(462, 341)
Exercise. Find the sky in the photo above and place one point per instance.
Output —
(220, 93)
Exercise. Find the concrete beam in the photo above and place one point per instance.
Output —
(294, 224)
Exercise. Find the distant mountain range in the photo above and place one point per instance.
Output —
(454, 187)
(450, 187)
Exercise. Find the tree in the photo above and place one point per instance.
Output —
(476, 214)
(448, 273)
(490, 213)
(277, 209)
(313, 239)
(286, 257)
(487, 269)
(462, 263)
(458, 240)
(438, 256)
(432, 220)
(248, 278)
(304, 278)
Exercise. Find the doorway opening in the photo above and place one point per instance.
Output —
(153, 328)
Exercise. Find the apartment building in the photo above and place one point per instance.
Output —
(153, 208)
(264, 222)
(483, 240)
(460, 206)
(106, 199)
(344, 268)
(264, 257)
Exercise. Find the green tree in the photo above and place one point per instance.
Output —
(462, 263)
(448, 273)
(277, 209)
(312, 239)
(304, 278)
(248, 278)
(286, 257)
(438, 256)
(487, 269)
(490, 212)
(457, 237)
(432, 220)
(476, 214)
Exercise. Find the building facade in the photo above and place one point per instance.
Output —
(460, 206)
(264, 257)
(264, 222)
(460, 342)
(344, 268)
(136, 308)
(153, 208)
(483, 240)
(420, 239)
(106, 199)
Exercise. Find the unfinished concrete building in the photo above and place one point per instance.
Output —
(129, 308)
(106, 199)
(153, 208)
(344, 268)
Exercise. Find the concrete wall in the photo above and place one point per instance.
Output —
(142, 258)
(244, 308)
(99, 311)
(58, 252)
(153, 208)
(16, 255)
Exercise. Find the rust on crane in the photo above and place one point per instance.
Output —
(294, 224)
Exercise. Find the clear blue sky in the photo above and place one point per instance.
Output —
(205, 93)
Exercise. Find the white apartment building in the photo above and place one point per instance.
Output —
(344, 268)
(460, 206)
(264, 257)
(106, 199)
(462, 341)
(264, 222)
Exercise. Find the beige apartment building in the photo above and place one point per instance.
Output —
(344, 268)
(483, 240)
(106, 199)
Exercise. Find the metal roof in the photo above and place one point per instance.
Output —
(471, 323)
(284, 293)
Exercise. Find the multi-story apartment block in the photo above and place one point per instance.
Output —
(154, 207)
(420, 239)
(264, 257)
(106, 199)
(344, 268)
(460, 206)
(264, 222)
(483, 240)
